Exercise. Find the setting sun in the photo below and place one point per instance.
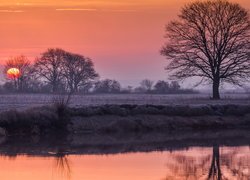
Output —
(13, 73)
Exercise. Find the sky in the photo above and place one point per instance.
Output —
(122, 37)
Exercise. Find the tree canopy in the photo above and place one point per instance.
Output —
(210, 40)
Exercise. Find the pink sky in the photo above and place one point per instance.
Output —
(122, 37)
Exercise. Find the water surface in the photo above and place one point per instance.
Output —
(189, 163)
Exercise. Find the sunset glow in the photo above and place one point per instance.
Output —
(124, 89)
(139, 166)
(13, 73)
(122, 37)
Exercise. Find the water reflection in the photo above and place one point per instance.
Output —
(62, 166)
(205, 163)
(215, 168)
(221, 164)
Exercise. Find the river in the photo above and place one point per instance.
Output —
(189, 163)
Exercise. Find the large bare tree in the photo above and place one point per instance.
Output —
(49, 67)
(78, 71)
(210, 40)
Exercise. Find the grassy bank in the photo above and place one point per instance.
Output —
(123, 118)
(167, 110)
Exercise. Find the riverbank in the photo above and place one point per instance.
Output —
(123, 119)
(98, 143)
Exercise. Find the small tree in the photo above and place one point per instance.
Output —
(175, 86)
(146, 85)
(107, 86)
(49, 67)
(115, 87)
(87, 87)
(24, 66)
(78, 71)
(161, 87)
(127, 90)
(211, 40)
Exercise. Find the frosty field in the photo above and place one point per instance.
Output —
(24, 101)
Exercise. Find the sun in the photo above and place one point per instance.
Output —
(13, 73)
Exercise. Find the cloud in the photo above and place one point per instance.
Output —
(11, 11)
(24, 4)
(123, 10)
(100, 10)
(76, 9)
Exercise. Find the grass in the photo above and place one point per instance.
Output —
(24, 101)
(60, 118)
(61, 103)
(39, 120)
(16, 122)
(168, 110)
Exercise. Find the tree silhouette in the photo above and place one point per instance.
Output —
(62, 165)
(215, 169)
(211, 40)
(49, 67)
(78, 71)
(219, 165)
(161, 87)
(146, 85)
(24, 66)
(107, 86)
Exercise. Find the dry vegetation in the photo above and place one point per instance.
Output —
(59, 118)
(42, 114)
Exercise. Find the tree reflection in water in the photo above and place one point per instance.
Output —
(215, 168)
(219, 165)
(62, 165)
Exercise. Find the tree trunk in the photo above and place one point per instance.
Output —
(54, 87)
(216, 86)
(15, 85)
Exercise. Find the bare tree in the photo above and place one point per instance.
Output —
(107, 86)
(49, 67)
(24, 66)
(78, 71)
(87, 87)
(161, 87)
(146, 85)
(210, 40)
(174, 86)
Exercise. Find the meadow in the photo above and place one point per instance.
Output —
(25, 101)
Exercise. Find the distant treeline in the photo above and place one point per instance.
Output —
(106, 86)
(59, 71)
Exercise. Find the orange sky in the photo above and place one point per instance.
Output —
(123, 37)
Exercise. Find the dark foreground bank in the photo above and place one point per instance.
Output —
(80, 144)
(124, 119)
